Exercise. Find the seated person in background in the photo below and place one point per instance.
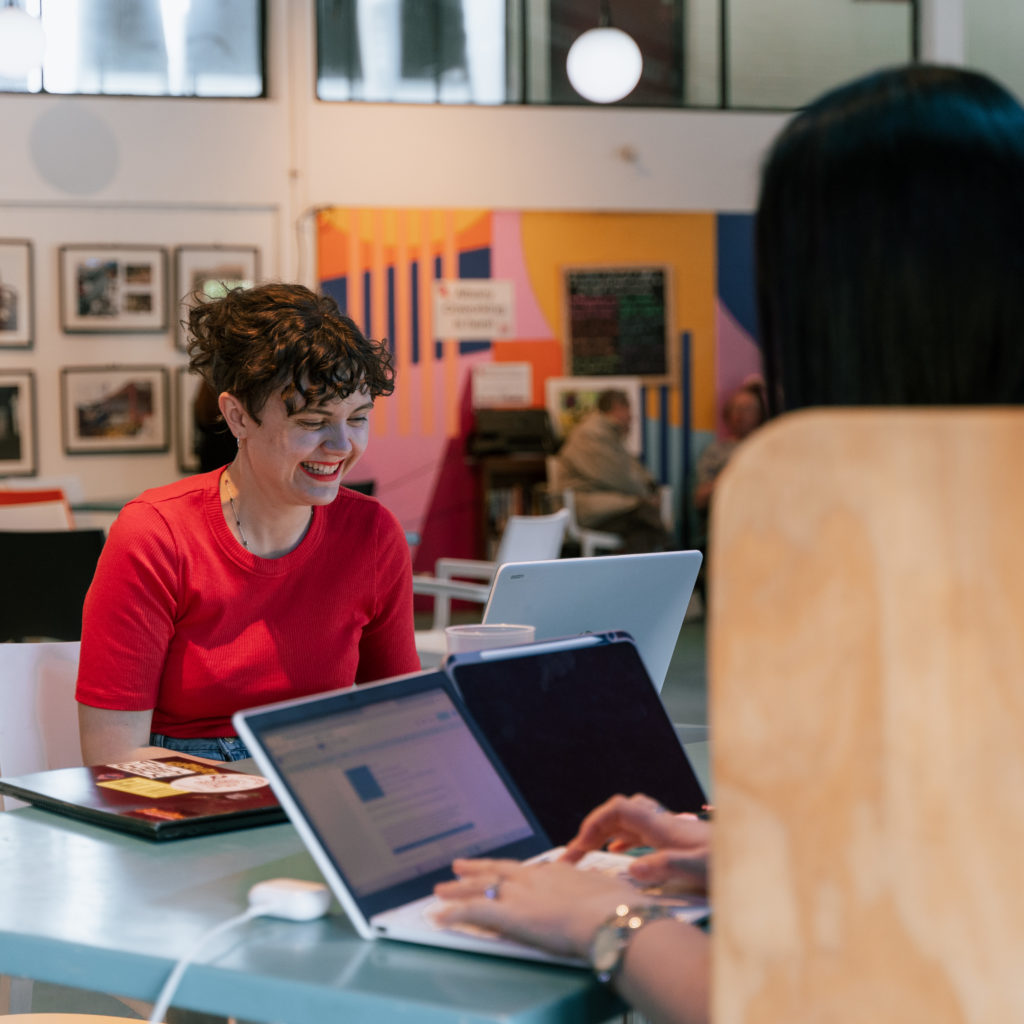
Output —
(613, 489)
(743, 412)
(922, 165)
(262, 580)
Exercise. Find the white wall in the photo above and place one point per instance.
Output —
(170, 172)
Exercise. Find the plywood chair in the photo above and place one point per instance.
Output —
(524, 539)
(866, 674)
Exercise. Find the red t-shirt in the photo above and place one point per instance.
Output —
(182, 619)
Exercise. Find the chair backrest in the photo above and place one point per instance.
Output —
(40, 509)
(45, 577)
(532, 538)
(39, 723)
(866, 658)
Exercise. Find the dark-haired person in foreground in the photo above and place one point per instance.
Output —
(890, 254)
(264, 579)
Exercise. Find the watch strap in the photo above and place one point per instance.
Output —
(611, 940)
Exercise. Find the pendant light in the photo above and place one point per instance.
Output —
(604, 63)
(22, 42)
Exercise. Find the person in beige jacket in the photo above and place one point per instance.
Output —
(613, 489)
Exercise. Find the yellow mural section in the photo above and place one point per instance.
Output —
(684, 242)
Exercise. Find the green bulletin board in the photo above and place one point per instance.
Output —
(617, 321)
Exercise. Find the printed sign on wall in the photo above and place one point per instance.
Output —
(474, 310)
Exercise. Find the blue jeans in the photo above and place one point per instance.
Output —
(217, 748)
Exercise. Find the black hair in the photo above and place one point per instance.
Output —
(890, 245)
(254, 342)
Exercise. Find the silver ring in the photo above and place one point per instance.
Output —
(492, 892)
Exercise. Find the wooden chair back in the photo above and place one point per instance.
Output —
(866, 674)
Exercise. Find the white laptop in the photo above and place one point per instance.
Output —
(386, 785)
(644, 595)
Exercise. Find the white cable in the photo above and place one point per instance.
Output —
(287, 898)
(163, 1001)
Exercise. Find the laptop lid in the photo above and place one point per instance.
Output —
(645, 595)
(386, 785)
(574, 722)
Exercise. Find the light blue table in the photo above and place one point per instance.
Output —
(91, 908)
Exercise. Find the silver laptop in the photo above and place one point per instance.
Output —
(386, 785)
(644, 595)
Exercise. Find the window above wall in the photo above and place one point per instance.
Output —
(197, 48)
(750, 54)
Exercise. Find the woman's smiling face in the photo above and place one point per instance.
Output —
(300, 459)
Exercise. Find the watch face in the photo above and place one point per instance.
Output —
(607, 948)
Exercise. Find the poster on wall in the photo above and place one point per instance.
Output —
(569, 399)
(16, 303)
(209, 272)
(114, 409)
(108, 289)
(17, 423)
(617, 322)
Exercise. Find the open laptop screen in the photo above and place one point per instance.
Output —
(395, 783)
(576, 726)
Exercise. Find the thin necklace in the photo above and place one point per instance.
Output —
(229, 486)
(234, 511)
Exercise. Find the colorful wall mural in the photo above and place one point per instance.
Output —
(380, 265)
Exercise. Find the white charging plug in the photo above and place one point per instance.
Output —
(290, 898)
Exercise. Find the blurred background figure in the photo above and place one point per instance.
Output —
(613, 489)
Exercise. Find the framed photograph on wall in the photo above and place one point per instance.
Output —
(569, 399)
(187, 389)
(210, 271)
(114, 409)
(114, 288)
(17, 423)
(17, 327)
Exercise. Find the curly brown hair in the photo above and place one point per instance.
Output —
(255, 342)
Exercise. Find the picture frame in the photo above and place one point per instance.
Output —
(187, 388)
(114, 410)
(108, 289)
(18, 445)
(17, 302)
(210, 271)
(569, 399)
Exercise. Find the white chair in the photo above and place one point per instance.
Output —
(524, 539)
(39, 724)
(38, 731)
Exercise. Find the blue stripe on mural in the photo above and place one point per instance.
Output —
(368, 328)
(438, 346)
(686, 440)
(391, 307)
(415, 296)
(337, 289)
(735, 268)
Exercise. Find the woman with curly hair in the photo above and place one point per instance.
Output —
(264, 579)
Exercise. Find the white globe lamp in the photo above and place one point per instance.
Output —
(604, 64)
(22, 42)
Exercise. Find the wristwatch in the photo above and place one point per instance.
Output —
(610, 941)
